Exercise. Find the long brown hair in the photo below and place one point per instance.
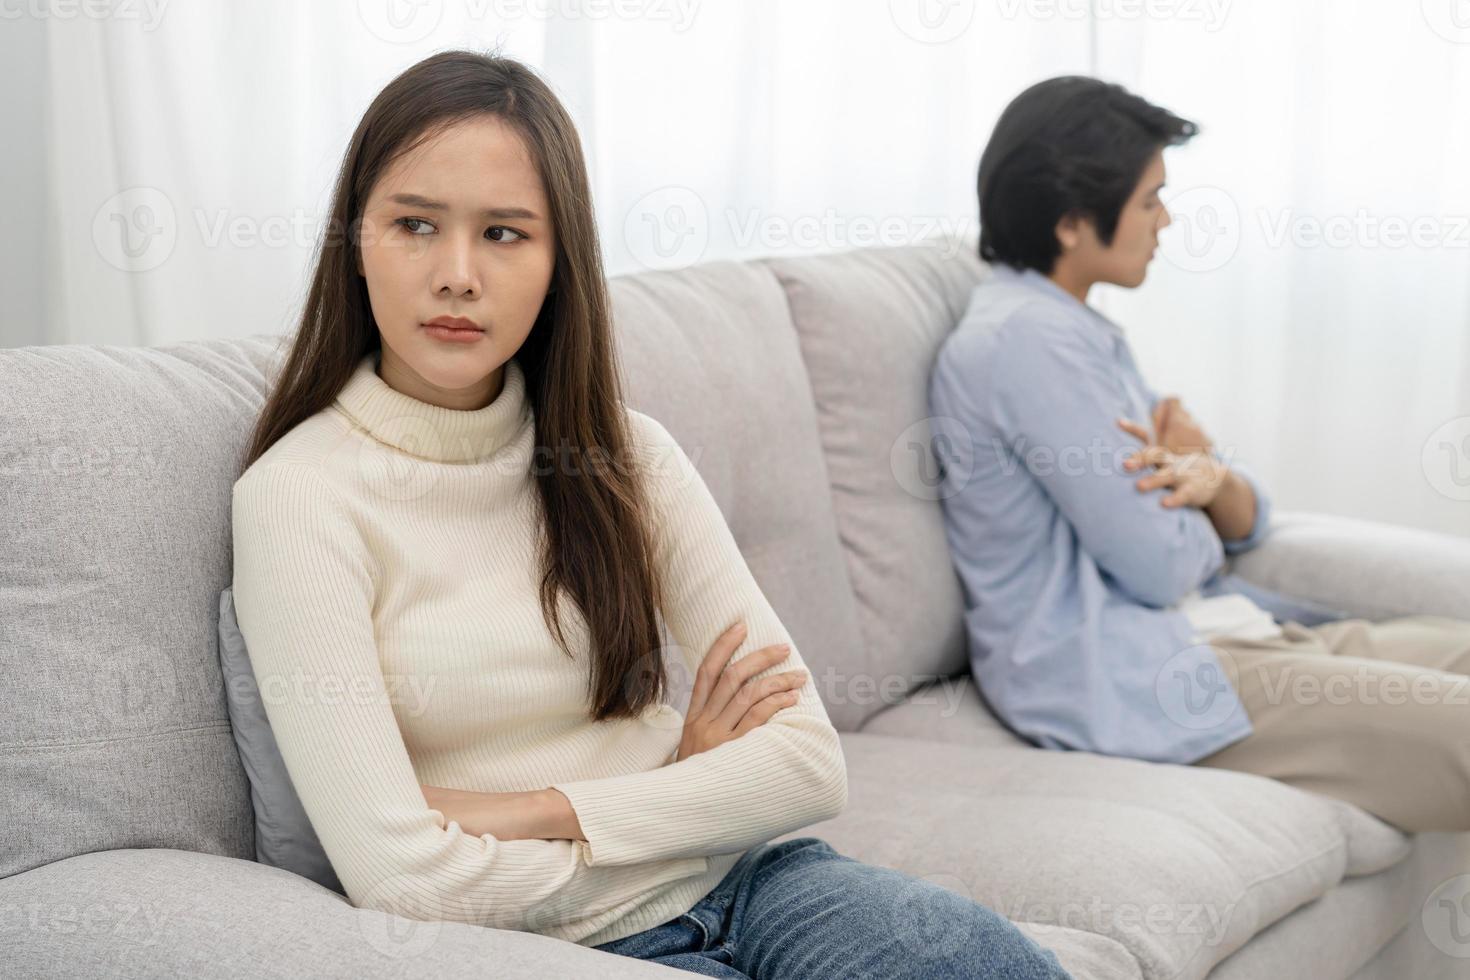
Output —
(595, 528)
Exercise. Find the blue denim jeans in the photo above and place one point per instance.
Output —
(800, 910)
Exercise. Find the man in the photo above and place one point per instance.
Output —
(1089, 519)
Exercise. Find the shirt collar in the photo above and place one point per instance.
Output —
(1035, 281)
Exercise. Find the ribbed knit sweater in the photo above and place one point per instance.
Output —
(386, 580)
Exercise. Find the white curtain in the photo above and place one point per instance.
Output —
(170, 170)
(1312, 301)
(189, 156)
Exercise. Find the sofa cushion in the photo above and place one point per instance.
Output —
(1361, 917)
(117, 467)
(951, 709)
(711, 353)
(164, 913)
(1370, 569)
(1084, 954)
(870, 323)
(284, 836)
(1179, 865)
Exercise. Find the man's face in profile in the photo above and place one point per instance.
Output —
(1124, 261)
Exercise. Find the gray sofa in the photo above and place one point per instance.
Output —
(798, 388)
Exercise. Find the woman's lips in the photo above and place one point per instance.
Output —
(453, 335)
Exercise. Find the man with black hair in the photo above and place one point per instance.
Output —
(1089, 519)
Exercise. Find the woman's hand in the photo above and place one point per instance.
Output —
(725, 703)
(506, 816)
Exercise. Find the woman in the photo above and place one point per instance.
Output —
(445, 495)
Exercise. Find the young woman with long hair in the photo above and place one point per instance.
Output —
(445, 494)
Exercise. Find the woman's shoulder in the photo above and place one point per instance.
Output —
(644, 429)
(653, 445)
(310, 449)
(667, 464)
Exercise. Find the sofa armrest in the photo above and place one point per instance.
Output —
(1368, 569)
(166, 913)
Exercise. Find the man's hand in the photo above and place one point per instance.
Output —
(1197, 477)
(1176, 430)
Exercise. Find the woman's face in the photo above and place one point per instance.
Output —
(457, 227)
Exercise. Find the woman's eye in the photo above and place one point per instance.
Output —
(496, 233)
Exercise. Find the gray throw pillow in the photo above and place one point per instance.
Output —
(284, 837)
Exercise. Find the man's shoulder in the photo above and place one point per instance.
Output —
(1003, 323)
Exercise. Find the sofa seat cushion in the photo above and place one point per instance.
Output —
(951, 709)
(1364, 918)
(164, 913)
(1085, 955)
(1179, 865)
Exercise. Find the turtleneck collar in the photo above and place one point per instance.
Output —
(428, 431)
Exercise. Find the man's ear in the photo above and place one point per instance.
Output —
(1069, 231)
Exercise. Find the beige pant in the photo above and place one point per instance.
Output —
(1377, 714)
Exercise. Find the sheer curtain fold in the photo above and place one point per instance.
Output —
(1312, 300)
(177, 168)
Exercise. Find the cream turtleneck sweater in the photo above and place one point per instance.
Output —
(385, 582)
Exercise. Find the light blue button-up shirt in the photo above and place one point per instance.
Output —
(1070, 572)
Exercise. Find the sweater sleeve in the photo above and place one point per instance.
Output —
(783, 775)
(304, 586)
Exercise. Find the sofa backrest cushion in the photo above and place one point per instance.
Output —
(284, 836)
(116, 466)
(788, 383)
(712, 354)
(870, 323)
